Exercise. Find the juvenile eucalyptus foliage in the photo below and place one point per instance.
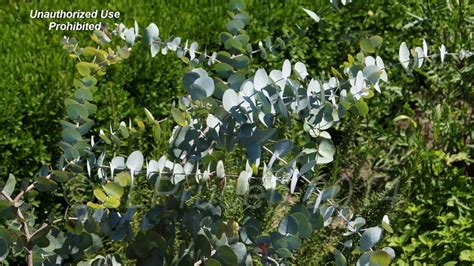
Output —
(230, 106)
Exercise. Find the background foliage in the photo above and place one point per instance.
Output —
(420, 168)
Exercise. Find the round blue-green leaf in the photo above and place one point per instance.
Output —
(135, 161)
(237, 5)
(76, 111)
(304, 227)
(240, 251)
(85, 127)
(4, 249)
(340, 259)
(232, 43)
(364, 259)
(326, 152)
(288, 226)
(283, 253)
(260, 80)
(404, 55)
(234, 26)
(223, 69)
(83, 94)
(202, 87)
(225, 255)
(45, 184)
(212, 262)
(61, 176)
(282, 147)
(330, 192)
(203, 245)
(71, 135)
(370, 237)
(230, 99)
(243, 183)
(241, 61)
(292, 242)
(91, 108)
(151, 33)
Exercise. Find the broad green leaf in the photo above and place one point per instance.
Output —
(362, 107)
(124, 130)
(149, 116)
(61, 176)
(45, 184)
(179, 117)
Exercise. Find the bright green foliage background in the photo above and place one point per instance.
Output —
(419, 169)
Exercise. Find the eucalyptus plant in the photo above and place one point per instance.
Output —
(232, 108)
